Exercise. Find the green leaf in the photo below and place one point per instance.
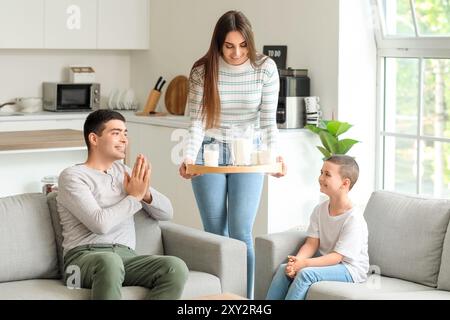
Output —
(345, 145)
(328, 141)
(325, 152)
(337, 128)
(313, 128)
(323, 124)
(344, 126)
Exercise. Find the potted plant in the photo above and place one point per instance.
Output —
(329, 132)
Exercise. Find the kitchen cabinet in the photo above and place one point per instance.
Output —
(123, 24)
(28, 124)
(70, 24)
(21, 24)
(21, 167)
(27, 156)
(74, 24)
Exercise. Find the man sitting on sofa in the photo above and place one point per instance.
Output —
(96, 203)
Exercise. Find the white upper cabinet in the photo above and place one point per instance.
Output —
(74, 24)
(21, 24)
(70, 24)
(123, 24)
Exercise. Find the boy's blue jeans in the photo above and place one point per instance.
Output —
(228, 204)
(283, 287)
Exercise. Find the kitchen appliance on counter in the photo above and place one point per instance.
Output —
(81, 74)
(294, 87)
(29, 104)
(64, 96)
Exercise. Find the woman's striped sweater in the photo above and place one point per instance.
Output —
(247, 96)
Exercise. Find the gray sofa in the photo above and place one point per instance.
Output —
(31, 253)
(409, 252)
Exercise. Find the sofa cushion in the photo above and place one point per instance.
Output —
(148, 234)
(201, 284)
(198, 284)
(406, 235)
(56, 222)
(376, 287)
(432, 294)
(27, 240)
(444, 271)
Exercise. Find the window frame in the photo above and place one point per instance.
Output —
(417, 41)
(418, 47)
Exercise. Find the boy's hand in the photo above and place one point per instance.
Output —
(294, 265)
(138, 183)
(290, 271)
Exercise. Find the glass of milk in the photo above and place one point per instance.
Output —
(211, 154)
(242, 150)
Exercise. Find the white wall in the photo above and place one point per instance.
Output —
(23, 71)
(180, 33)
(357, 89)
(333, 39)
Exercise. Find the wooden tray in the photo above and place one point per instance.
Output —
(269, 168)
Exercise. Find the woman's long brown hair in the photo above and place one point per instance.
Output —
(230, 21)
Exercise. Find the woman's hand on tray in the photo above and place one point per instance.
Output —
(182, 170)
(283, 168)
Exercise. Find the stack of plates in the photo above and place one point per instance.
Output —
(122, 100)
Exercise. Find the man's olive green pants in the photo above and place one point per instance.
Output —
(106, 268)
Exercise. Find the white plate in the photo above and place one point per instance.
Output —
(112, 98)
(128, 99)
(118, 100)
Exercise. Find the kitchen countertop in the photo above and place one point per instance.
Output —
(43, 115)
(41, 139)
(169, 120)
(166, 121)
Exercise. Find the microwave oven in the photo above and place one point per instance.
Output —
(61, 96)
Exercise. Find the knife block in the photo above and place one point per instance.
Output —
(152, 101)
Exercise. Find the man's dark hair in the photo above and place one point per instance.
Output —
(348, 167)
(95, 122)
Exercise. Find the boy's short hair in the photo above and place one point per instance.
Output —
(95, 122)
(348, 167)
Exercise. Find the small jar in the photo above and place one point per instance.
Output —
(50, 184)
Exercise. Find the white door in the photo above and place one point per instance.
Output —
(70, 24)
(123, 24)
(21, 24)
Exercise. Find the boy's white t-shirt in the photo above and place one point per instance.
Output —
(345, 234)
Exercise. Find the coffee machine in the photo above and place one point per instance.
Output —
(294, 87)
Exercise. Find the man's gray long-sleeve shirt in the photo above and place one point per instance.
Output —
(95, 208)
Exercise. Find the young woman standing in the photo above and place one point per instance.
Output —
(230, 85)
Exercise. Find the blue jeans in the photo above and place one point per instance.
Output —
(283, 287)
(228, 204)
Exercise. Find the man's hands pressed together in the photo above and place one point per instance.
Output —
(137, 185)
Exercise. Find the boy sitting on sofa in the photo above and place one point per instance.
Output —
(337, 230)
(96, 204)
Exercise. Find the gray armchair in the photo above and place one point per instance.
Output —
(31, 238)
(409, 250)
(270, 251)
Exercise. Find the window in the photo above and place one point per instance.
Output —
(414, 100)
(416, 18)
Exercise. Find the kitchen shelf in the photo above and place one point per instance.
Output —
(18, 141)
(269, 168)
